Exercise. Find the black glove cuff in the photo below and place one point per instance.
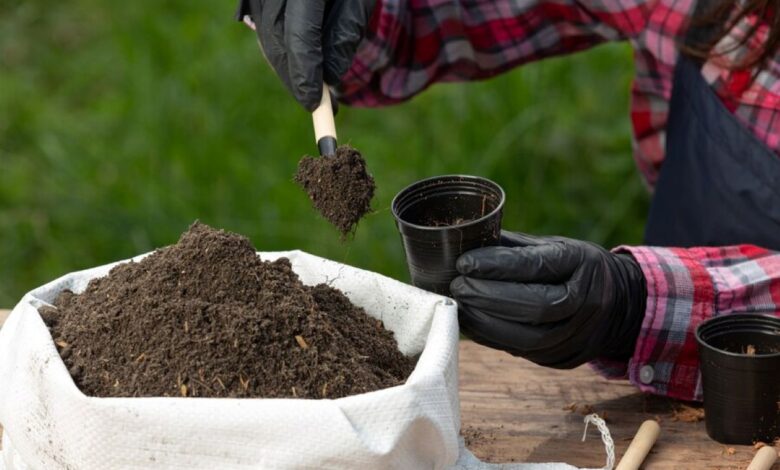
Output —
(243, 10)
(630, 302)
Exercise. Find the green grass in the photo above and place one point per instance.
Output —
(121, 123)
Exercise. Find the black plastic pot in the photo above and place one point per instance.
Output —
(442, 217)
(740, 368)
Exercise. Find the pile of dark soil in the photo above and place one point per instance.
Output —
(339, 186)
(207, 318)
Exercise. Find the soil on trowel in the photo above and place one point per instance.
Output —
(339, 187)
(207, 317)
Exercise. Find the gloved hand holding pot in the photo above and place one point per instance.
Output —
(556, 301)
(631, 312)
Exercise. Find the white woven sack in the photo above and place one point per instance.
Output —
(49, 424)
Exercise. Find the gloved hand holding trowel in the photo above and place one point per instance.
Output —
(310, 45)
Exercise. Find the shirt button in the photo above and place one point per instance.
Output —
(646, 374)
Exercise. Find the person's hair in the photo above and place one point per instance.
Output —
(723, 16)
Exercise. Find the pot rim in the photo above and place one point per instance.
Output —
(742, 316)
(492, 213)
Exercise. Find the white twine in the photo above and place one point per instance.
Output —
(606, 437)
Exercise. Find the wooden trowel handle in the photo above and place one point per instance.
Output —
(325, 125)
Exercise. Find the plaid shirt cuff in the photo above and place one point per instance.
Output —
(363, 84)
(680, 295)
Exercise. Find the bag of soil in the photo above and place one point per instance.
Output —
(126, 420)
(49, 423)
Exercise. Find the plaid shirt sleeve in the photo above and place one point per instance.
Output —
(411, 44)
(685, 287)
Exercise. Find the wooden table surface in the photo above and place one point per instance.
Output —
(515, 411)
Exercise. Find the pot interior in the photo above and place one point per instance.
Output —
(448, 201)
(746, 342)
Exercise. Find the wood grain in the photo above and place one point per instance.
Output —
(518, 409)
(514, 411)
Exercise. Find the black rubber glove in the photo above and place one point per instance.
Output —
(308, 40)
(555, 301)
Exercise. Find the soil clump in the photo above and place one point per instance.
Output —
(339, 187)
(207, 317)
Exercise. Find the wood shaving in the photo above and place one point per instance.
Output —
(301, 342)
(729, 451)
(584, 410)
(222, 384)
(688, 414)
(571, 407)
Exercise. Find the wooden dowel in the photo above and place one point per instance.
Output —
(764, 459)
(640, 446)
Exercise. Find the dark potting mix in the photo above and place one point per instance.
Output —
(207, 317)
(339, 186)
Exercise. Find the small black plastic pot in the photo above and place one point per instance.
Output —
(442, 217)
(740, 368)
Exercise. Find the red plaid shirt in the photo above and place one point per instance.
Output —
(411, 44)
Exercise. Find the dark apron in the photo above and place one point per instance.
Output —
(719, 185)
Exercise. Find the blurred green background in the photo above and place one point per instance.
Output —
(122, 122)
